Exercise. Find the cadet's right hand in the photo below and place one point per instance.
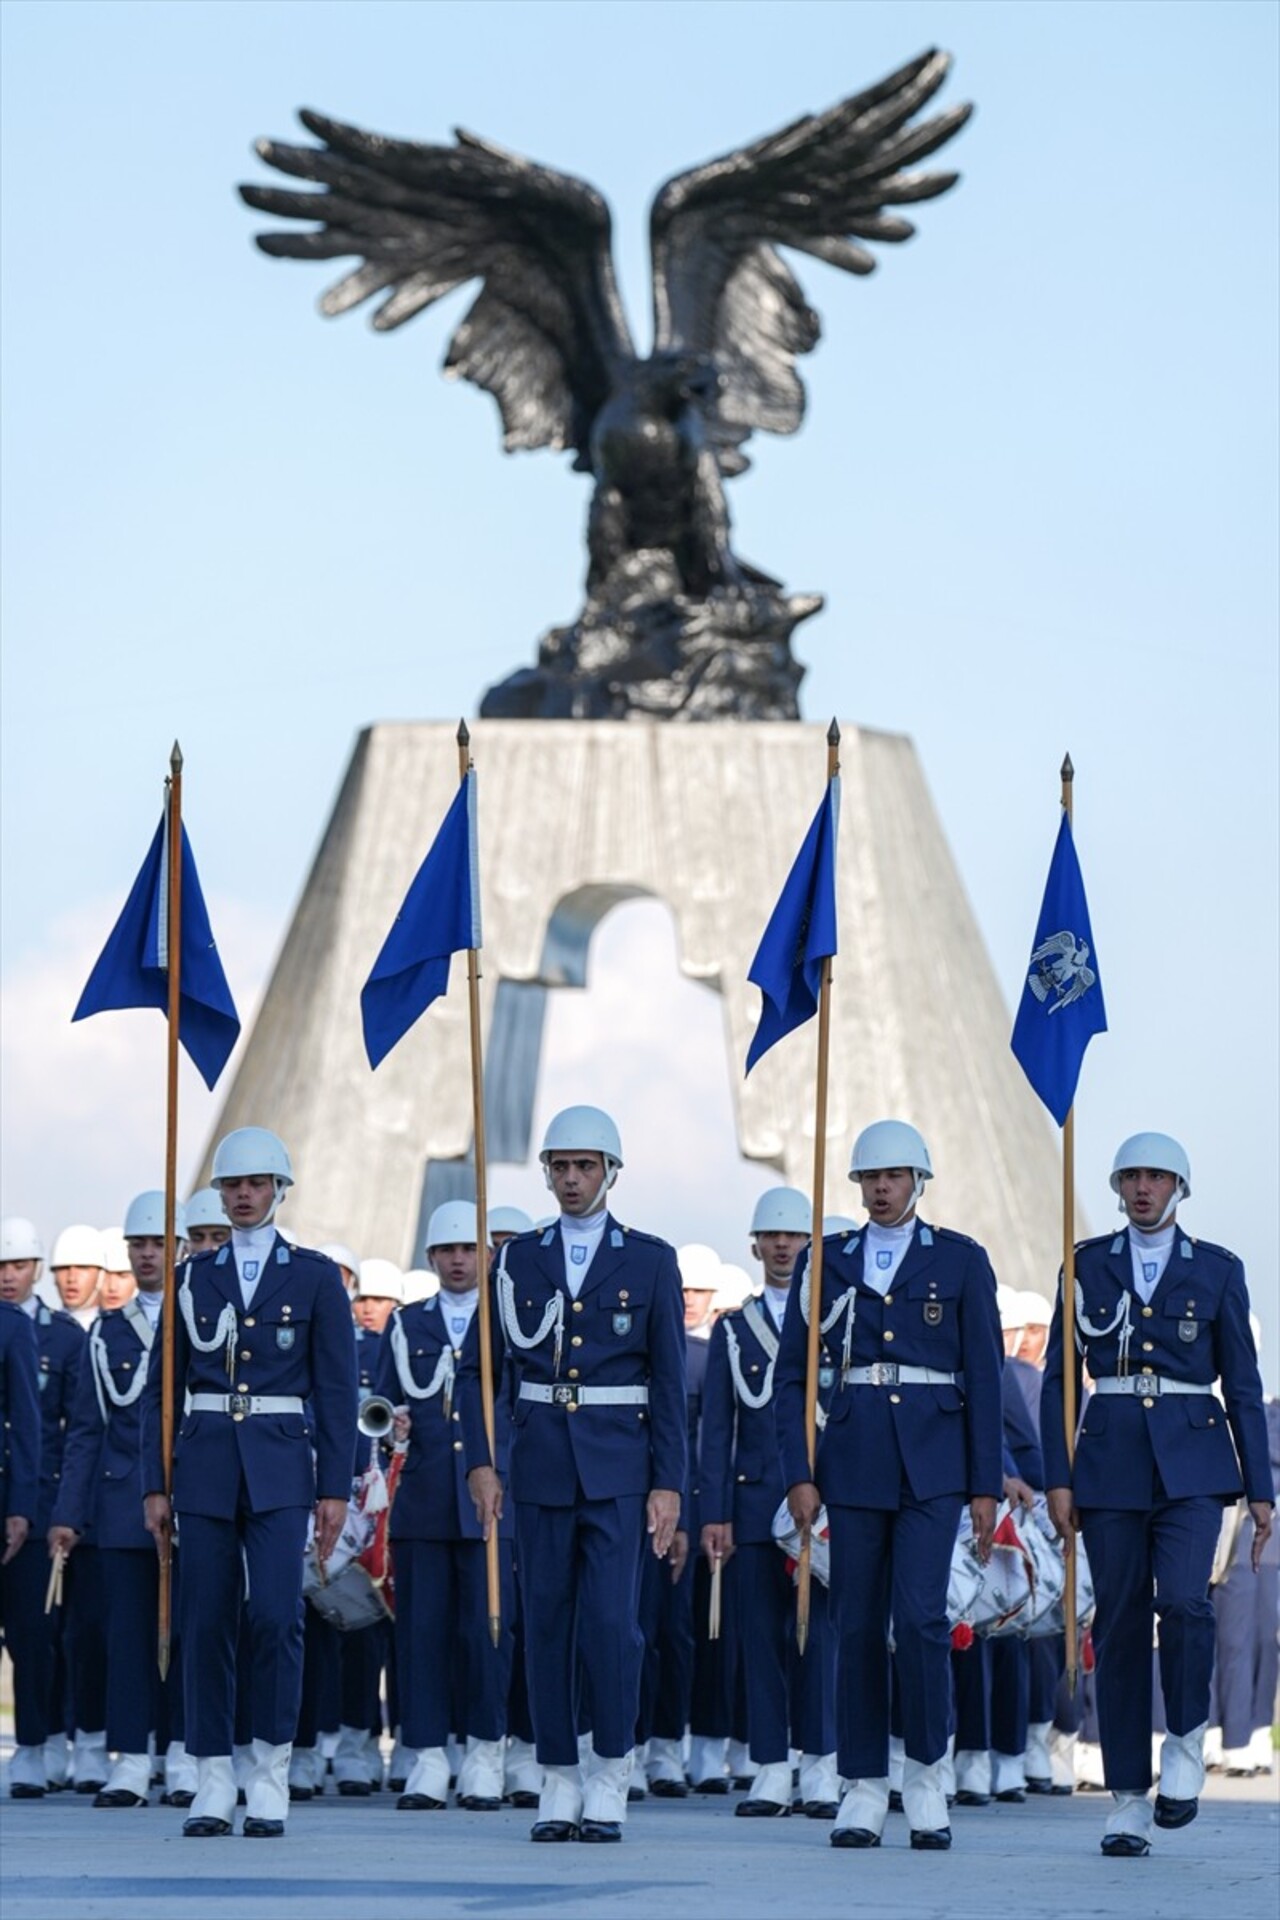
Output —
(1063, 1514)
(486, 1491)
(804, 1501)
(158, 1516)
(400, 1427)
(16, 1528)
(717, 1541)
(62, 1540)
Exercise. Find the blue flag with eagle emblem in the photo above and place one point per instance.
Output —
(1061, 1007)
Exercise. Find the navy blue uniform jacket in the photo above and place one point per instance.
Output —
(101, 1491)
(20, 1411)
(432, 1501)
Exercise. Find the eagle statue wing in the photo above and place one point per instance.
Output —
(546, 333)
(821, 185)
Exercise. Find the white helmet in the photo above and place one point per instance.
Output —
(509, 1220)
(890, 1143)
(417, 1284)
(341, 1256)
(1154, 1150)
(1011, 1306)
(1036, 1311)
(145, 1218)
(735, 1286)
(380, 1280)
(77, 1247)
(19, 1240)
(838, 1223)
(583, 1130)
(205, 1209)
(252, 1150)
(699, 1268)
(115, 1254)
(782, 1210)
(452, 1225)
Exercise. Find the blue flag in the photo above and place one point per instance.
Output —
(439, 917)
(133, 967)
(800, 935)
(1061, 1007)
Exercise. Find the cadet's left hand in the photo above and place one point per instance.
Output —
(982, 1512)
(679, 1554)
(330, 1518)
(1017, 1492)
(1263, 1515)
(15, 1536)
(663, 1510)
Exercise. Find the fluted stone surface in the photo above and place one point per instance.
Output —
(574, 818)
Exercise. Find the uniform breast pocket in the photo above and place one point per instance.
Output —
(288, 1334)
(932, 1306)
(1188, 1324)
(622, 1321)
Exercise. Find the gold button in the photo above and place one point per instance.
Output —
(888, 1299)
(571, 1408)
(1212, 1421)
(895, 1399)
(576, 1341)
(243, 1387)
(457, 1446)
(888, 1334)
(1148, 1403)
(457, 1416)
(237, 1416)
(251, 1322)
(245, 1353)
(1147, 1312)
(573, 1373)
(1148, 1346)
(577, 1306)
(742, 1479)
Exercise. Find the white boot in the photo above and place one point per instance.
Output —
(741, 1766)
(897, 1763)
(352, 1763)
(604, 1794)
(521, 1773)
(480, 1776)
(947, 1769)
(1062, 1760)
(57, 1762)
(664, 1760)
(304, 1764)
(242, 1767)
(863, 1810)
(707, 1762)
(1128, 1825)
(127, 1782)
(427, 1787)
(923, 1801)
(561, 1797)
(771, 1789)
(180, 1774)
(1089, 1775)
(89, 1763)
(1181, 1772)
(1036, 1762)
(402, 1759)
(27, 1777)
(1261, 1751)
(972, 1771)
(1008, 1775)
(819, 1783)
(267, 1789)
(215, 1790)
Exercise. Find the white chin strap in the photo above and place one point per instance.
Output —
(279, 1189)
(610, 1175)
(1171, 1208)
(917, 1190)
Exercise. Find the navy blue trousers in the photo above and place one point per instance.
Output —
(1159, 1559)
(84, 1644)
(217, 1555)
(452, 1679)
(580, 1581)
(666, 1623)
(790, 1699)
(892, 1564)
(28, 1634)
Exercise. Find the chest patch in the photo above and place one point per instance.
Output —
(933, 1313)
(1188, 1330)
(578, 1254)
(621, 1323)
(285, 1338)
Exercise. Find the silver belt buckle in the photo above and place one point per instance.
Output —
(564, 1394)
(1146, 1384)
(884, 1373)
(238, 1405)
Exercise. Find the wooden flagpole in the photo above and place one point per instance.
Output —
(1069, 1414)
(173, 963)
(484, 1309)
(804, 1570)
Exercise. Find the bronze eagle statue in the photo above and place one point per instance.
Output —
(547, 335)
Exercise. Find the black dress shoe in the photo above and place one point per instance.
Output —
(1012, 1797)
(855, 1837)
(1038, 1784)
(180, 1797)
(819, 1809)
(895, 1800)
(90, 1786)
(297, 1794)
(119, 1797)
(635, 1795)
(930, 1839)
(355, 1789)
(1175, 1813)
(717, 1784)
(242, 1799)
(203, 1826)
(418, 1803)
(668, 1789)
(397, 1786)
(966, 1797)
(601, 1831)
(761, 1810)
(741, 1782)
(479, 1803)
(256, 1829)
(554, 1830)
(1125, 1846)
(523, 1797)
(24, 1792)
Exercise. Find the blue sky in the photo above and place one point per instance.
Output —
(1037, 484)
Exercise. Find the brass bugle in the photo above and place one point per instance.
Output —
(376, 1417)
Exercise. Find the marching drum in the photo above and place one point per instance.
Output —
(357, 1588)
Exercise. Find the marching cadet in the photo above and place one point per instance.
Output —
(100, 1488)
(790, 1700)
(76, 1266)
(1159, 1317)
(593, 1316)
(379, 1290)
(118, 1284)
(441, 1576)
(264, 1346)
(19, 1437)
(29, 1632)
(505, 1223)
(208, 1227)
(908, 1312)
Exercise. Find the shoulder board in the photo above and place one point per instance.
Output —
(1210, 1246)
(1098, 1240)
(950, 1233)
(730, 1313)
(650, 1239)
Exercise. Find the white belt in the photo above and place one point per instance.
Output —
(567, 1393)
(1148, 1385)
(888, 1373)
(238, 1404)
